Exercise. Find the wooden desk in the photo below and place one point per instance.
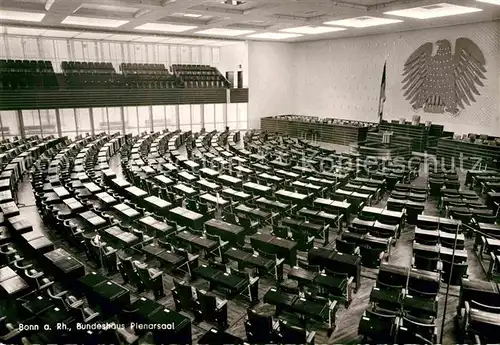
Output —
(187, 217)
(106, 199)
(185, 190)
(285, 249)
(127, 212)
(226, 231)
(160, 229)
(121, 238)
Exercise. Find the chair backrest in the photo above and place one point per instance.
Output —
(420, 326)
(480, 218)
(265, 254)
(344, 246)
(208, 302)
(260, 323)
(369, 253)
(183, 291)
(292, 334)
(142, 271)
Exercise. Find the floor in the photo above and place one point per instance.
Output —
(347, 319)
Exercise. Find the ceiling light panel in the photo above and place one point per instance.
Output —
(21, 16)
(224, 32)
(99, 22)
(165, 27)
(274, 35)
(192, 15)
(363, 22)
(433, 11)
(312, 30)
(493, 2)
(109, 8)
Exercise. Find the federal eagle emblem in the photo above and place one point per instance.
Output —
(444, 82)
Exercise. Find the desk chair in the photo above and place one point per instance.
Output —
(218, 239)
(281, 231)
(413, 330)
(249, 225)
(450, 242)
(71, 302)
(145, 239)
(9, 334)
(212, 309)
(459, 271)
(191, 261)
(304, 242)
(427, 263)
(371, 257)
(253, 288)
(20, 263)
(358, 229)
(204, 208)
(260, 329)
(36, 279)
(192, 205)
(279, 263)
(184, 296)
(128, 271)
(7, 252)
(466, 218)
(106, 254)
(289, 334)
(393, 292)
(417, 197)
(485, 219)
(346, 247)
(435, 186)
(152, 279)
(379, 327)
(367, 216)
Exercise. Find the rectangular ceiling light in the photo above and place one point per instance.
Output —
(494, 2)
(192, 15)
(312, 30)
(274, 35)
(88, 21)
(433, 11)
(165, 27)
(92, 35)
(21, 16)
(225, 32)
(363, 22)
(150, 39)
(122, 37)
(233, 2)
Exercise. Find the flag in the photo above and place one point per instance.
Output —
(382, 93)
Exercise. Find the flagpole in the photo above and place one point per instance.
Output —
(382, 96)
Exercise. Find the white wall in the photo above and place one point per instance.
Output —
(270, 81)
(232, 57)
(341, 78)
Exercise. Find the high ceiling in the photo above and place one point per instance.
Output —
(188, 17)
